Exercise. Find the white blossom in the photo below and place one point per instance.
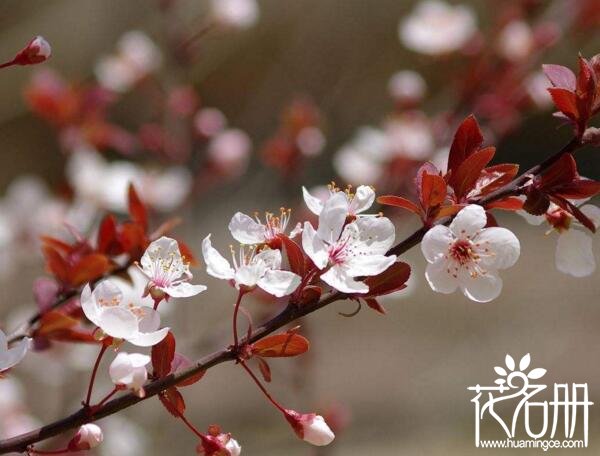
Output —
(515, 41)
(10, 357)
(356, 202)
(251, 269)
(235, 13)
(129, 370)
(248, 230)
(407, 86)
(229, 151)
(44, 50)
(120, 319)
(468, 256)
(348, 250)
(363, 159)
(574, 253)
(436, 27)
(167, 271)
(136, 57)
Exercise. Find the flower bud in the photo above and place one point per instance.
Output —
(217, 443)
(38, 50)
(129, 371)
(88, 436)
(310, 427)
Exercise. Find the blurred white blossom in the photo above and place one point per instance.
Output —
(515, 41)
(435, 27)
(235, 13)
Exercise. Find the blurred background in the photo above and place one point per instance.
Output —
(211, 109)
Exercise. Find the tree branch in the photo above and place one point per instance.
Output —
(289, 314)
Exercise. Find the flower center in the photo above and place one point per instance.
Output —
(462, 252)
(275, 225)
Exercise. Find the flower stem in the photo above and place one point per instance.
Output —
(191, 427)
(107, 397)
(93, 377)
(262, 387)
(236, 310)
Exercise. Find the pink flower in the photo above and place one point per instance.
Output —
(10, 357)
(467, 255)
(310, 427)
(167, 272)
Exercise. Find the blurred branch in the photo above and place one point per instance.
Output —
(292, 312)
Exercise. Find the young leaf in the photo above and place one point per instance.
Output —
(467, 174)
(137, 210)
(398, 201)
(560, 76)
(281, 345)
(294, 255)
(89, 268)
(467, 139)
(392, 279)
(432, 191)
(162, 355)
(173, 401)
(264, 368)
(374, 304)
(107, 235)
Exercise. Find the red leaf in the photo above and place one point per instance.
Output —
(264, 368)
(562, 172)
(181, 362)
(55, 321)
(56, 264)
(509, 204)
(398, 201)
(133, 239)
(465, 177)
(173, 401)
(392, 279)
(107, 236)
(494, 177)
(565, 101)
(137, 209)
(294, 255)
(281, 345)
(374, 304)
(537, 202)
(579, 189)
(433, 190)
(162, 355)
(89, 268)
(560, 76)
(467, 139)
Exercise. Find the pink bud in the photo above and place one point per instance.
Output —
(88, 436)
(38, 50)
(310, 427)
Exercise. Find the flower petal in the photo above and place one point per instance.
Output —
(436, 242)
(246, 230)
(216, 265)
(498, 248)
(118, 322)
(338, 278)
(89, 305)
(439, 275)
(279, 283)
(369, 265)
(15, 354)
(149, 339)
(250, 274)
(574, 254)
(482, 288)
(468, 221)
(270, 257)
(162, 257)
(333, 217)
(314, 247)
(376, 233)
(592, 212)
(314, 204)
(363, 199)
(183, 290)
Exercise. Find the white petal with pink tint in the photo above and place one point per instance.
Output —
(574, 254)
